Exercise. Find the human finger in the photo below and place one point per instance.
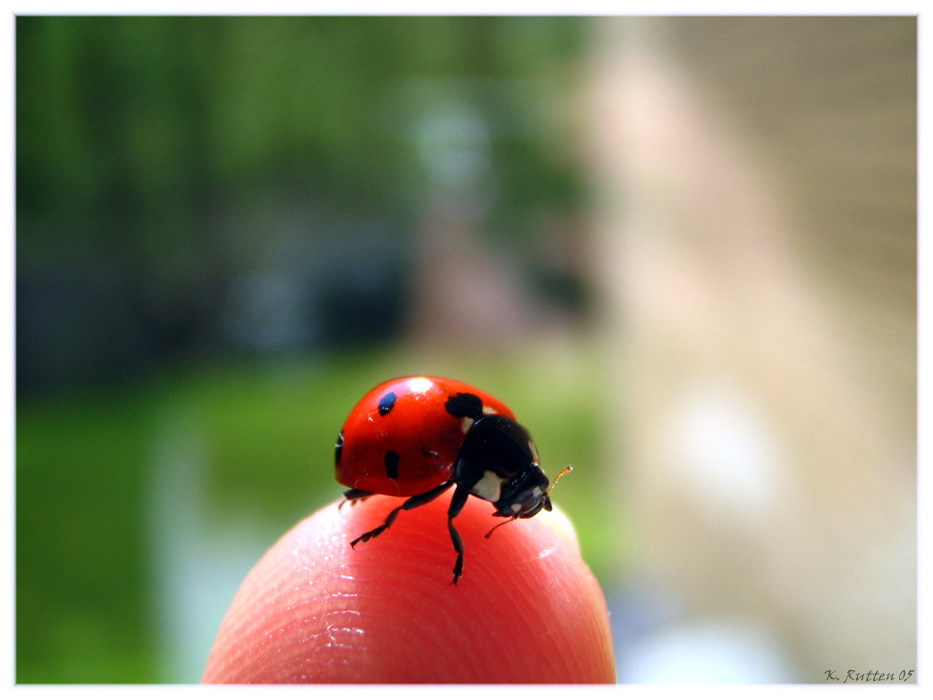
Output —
(314, 610)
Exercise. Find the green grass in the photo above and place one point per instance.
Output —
(81, 570)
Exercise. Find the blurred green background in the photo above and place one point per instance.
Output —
(221, 236)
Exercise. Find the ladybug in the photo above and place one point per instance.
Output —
(418, 436)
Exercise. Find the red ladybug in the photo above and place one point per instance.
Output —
(418, 436)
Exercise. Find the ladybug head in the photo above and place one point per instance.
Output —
(525, 494)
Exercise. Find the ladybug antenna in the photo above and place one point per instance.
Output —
(565, 470)
(496, 527)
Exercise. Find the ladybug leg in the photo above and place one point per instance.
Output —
(456, 505)
(353, 496)
(412, 502)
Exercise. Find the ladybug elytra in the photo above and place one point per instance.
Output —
(418, 436)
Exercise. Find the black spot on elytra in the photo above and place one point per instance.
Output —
(465, 406)
(338, 448)
(387, 403)
(392, 460)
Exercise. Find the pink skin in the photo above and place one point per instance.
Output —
(313, 610)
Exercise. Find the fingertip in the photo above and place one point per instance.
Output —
(559, 522)
(526, 610)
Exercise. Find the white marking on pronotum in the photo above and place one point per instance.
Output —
(466, 425)
(489, 411)
(516, 507)
(489, 487)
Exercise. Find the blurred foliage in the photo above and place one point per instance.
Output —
(81, 569)
(141, 141)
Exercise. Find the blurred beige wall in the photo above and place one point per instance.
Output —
(756, 229)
